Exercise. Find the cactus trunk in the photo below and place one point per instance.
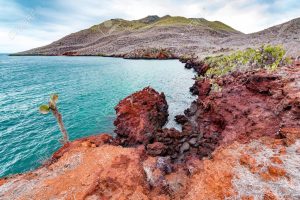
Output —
(58, 117)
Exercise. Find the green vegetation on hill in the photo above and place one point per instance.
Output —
(268, 57)
(117, 25)
(217, 25)
(169, 20)
(154, 21)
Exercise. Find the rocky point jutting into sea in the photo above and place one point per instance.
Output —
(240, 139)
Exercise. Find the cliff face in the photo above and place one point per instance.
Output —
(238, 142)
(168, 37)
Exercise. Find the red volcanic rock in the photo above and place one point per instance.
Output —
(114, 172)
(2, 181)
(199, 66)
(290, 135)
(140, 115)
(180, 145)
(140, 118)
(156, 149)
(91, 141)
(249, 105)
(151, 53)
(201, 88)
(181, 119)
(70, 53)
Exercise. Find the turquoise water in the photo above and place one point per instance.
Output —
(88, 88)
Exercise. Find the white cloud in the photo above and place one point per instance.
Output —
(12, 42)
(68, 16)
(247, 19)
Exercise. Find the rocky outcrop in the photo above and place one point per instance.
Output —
(237, 107)
(242, 107)
(247, 105)
(139, 116)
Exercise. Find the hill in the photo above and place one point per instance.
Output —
(118, 36)
(176, 35)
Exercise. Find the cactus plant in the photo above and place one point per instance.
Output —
(52, 107)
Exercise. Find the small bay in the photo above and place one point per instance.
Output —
(89, 88)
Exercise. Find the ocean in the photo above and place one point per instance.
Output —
(89, 88)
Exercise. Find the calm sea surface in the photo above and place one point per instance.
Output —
(88, 88)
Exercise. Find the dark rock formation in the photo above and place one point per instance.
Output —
(156, 148)
(150, 53)
(201, 88)
(139, 116)
(193, 62)
(180, 145)
(70, 53)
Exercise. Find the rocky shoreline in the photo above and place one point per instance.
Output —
(137, 54)
(246, 130)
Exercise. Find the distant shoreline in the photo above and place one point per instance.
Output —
(135, 58)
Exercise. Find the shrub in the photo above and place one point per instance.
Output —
(268, 57)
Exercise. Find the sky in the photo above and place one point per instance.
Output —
(26, 24)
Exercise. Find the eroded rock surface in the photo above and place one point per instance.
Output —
(268, 166)
(256, 170)
(247, 105)
(139, 116)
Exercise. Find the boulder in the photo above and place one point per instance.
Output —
(156, 149)
(140, 115)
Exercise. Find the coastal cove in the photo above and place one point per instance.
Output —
(150, 100)
(89, 89)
